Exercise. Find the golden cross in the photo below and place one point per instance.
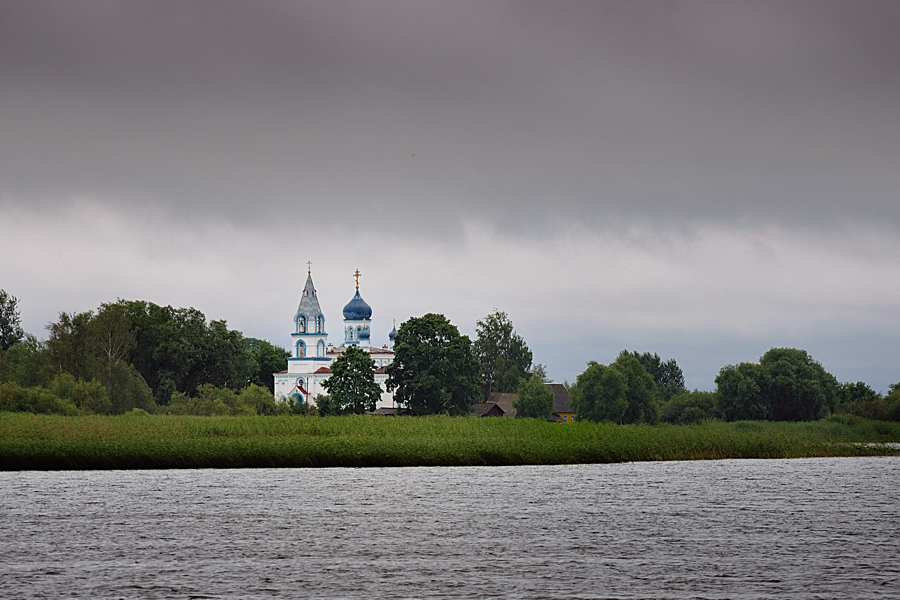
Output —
(356, 275)
(309, 266)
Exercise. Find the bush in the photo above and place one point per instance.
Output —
(689, 407)
(215, 401)
(37, 400)
(89, 396)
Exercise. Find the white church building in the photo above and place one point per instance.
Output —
(312, 355)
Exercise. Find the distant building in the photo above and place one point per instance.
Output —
(562, 409)
(501, 405)
(312, 355)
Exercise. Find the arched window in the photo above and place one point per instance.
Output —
(301, 324)
(301, 349)
(320, 324)
(321, 349)
(349, 334)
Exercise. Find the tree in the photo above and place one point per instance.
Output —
(740, 394)
(352, 382)
(434, 370)
(667, 374)
(689, 407)
(268, 359)
(502, 353)
(799, 388)
(27, 363)
(640, 392)
(786, 385)
(599, 394)
(10, 323)
(622, 392)
(534, 400)
(326, 406)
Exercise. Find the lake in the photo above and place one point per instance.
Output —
(802, 528)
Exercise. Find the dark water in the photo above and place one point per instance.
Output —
(818, 528)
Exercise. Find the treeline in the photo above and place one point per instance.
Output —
(137, 355)
(785, 385)
(133, 354)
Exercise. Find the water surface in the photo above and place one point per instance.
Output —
(707, 529)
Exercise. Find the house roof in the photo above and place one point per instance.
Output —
(487, 409)
(560, 398)
(504, 401)
(390, 412)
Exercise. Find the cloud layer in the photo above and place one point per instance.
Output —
(701, 179)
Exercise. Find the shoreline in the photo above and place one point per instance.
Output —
(48, 442)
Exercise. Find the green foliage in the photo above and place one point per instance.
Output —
(866, 403)
(786, 385)
(89, 396)
(326, 406)
(10, 322)
(667, 375)
(534, 400)
(623, 392)
(27, 363)
(173, 350)
(502, 353)
(434, 370)
(37, 400)
(599, 394)
(136, 440)
(268, 359)
(640, 392)
(689, 407)
(352, 382)
(222, 401)
(740, 393)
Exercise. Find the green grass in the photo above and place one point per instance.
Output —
(159, 441)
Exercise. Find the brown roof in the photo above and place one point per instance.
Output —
(390, 412)
(487, 409)
(560, 398)
(504, 401)
(322, 371)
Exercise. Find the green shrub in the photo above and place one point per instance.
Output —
(37, 400)
(89, 396)
(689, 407)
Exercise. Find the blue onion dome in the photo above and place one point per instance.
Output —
(364, 333)
(357, 309)
(393, 333)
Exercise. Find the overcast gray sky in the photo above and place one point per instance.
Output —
(705, 180)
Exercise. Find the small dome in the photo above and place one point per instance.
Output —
(364, 333)
(357, 309)
(393, 333)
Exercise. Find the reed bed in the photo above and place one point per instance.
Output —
(163, 442)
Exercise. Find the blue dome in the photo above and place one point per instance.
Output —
(364, 333)
(357, 309)
(393, 333)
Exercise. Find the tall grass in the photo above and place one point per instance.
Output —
(160, 441)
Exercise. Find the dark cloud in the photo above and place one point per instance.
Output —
(423, 114)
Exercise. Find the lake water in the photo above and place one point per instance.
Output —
(811, 528)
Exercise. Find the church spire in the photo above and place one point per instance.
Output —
(309, 317)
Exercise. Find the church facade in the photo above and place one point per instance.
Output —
(312, 354)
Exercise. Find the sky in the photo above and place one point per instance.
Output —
(702, 180)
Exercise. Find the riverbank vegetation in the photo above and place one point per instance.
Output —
(165, 360)
(140, 440)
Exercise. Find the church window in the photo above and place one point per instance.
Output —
(321, 349)
(320, 324)
(301, 324)
(301, 350)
